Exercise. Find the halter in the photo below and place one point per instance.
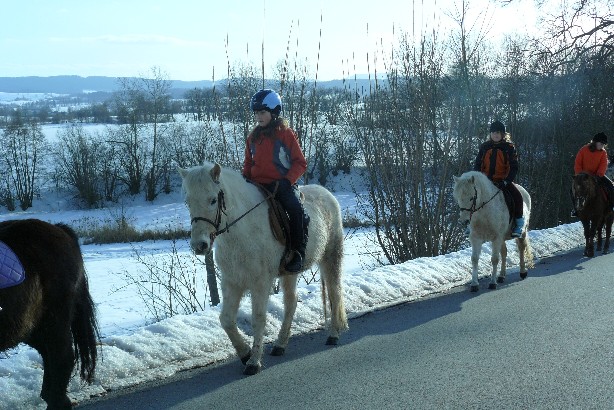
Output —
(474, 199)
(221, 209)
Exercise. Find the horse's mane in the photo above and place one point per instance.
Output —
(230, 181)
(483, 185)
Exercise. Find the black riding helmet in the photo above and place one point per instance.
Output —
(266, 99)
(601, 137)
(497, 126)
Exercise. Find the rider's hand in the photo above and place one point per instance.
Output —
(284, 183)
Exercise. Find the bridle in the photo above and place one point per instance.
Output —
(473, 209)
(221, 209)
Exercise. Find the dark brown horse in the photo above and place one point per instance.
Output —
(51, 309)
(594, 211)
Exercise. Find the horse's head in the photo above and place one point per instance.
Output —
(205, 201)
(465, 194)
(583, 188)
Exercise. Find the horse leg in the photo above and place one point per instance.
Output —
(494, 260)
(587, 237)
(228, 319)
(476, 250)
(260, 299)
(599, 236)
(288, 283)
(502, 272)
(330, 271)
(608, 232)
(591, 240)
(522, 244)
(57, 353)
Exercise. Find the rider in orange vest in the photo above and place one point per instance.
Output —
(498, 160)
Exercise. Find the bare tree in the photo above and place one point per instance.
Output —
(77, 163)
(144, 101)
(23, 148)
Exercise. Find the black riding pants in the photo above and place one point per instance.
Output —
(289, 199)
(517, 196)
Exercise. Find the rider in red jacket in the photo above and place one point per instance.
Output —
(592, 158)
(274, 159)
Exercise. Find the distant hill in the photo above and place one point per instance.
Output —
(73, 84)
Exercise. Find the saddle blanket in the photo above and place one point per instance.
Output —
(11, 269)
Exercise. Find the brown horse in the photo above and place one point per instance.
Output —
(594, 211)
(51, 308)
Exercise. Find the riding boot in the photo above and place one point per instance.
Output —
(298, 240)
(518, 226)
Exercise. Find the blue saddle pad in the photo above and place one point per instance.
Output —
(11, 269)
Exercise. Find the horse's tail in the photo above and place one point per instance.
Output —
(84, 326)
(85, 332)
(528, 251)
(324, 299)
(331, 285)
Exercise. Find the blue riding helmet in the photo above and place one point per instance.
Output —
(267, 100)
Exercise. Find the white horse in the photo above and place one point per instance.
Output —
(249, 256)
(483, 206)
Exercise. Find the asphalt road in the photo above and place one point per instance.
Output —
(543, 343)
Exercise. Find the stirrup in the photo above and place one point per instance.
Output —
(295, 265)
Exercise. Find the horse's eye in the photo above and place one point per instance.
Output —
(213, 201)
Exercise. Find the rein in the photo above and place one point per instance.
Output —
(221, 209)
(474, 199)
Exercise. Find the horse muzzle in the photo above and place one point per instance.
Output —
(580, 203)
(202, 246)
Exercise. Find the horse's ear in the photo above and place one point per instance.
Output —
(215, 173)
(182, 172)
(472, 179)
(455, 178)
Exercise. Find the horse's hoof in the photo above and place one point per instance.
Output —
(332, 341)
(606, 251)
(246, 358)
(278, 351)
(500, 279)
(474, 288)
(492, 286)
(251, 369)
(523, 275)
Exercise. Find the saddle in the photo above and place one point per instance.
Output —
(11, 269)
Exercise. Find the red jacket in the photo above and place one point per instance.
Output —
(593, 162)
(272, 158)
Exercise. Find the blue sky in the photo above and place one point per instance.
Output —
(186, 39)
